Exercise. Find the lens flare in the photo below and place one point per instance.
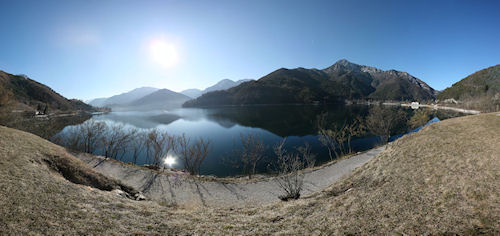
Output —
(163, 53)
(169, 160)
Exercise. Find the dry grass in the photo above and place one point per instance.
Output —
(443, 179)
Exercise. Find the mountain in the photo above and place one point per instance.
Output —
(160, 99)
(97, 102)
(224, 84)
(23, 93)
(192, 93)
(124, 98)
(343, 80)
(482, 88)
(221, 85)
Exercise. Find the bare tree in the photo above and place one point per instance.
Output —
(382, 121)
(354, 129)
(158, 145)
(420, 117)
(252, 153)
(336, 137)
(84, 137)
(290, 179)
(91, 131)
(326, 137)
(115, 140)
(307, 156)
(138, 142)
(192, 155)
(71, 138)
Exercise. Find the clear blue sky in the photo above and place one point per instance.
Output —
(88, 49)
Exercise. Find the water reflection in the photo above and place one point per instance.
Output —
(223, 127)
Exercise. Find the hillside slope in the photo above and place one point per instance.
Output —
(480, 87)
(26, 94)
(442, 180)
(343, 80)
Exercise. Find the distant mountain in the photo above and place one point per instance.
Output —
(343, 80)
(23, 93)
(221, 85)
(192, 93)
(123, 98)
(482, 86)
(160, 99)
(224, 84)
(97, 102)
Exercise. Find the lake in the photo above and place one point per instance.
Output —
(223, 127)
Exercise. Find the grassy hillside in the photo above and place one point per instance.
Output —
(27, 94)
(21, 97)
(443, 179)
(481, 89)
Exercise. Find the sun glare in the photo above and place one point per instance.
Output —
(163, 53)
(169, 161)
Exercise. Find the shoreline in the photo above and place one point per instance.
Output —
(435, 107)
(179, 188)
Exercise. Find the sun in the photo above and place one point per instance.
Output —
(169, 160)
(163, 53)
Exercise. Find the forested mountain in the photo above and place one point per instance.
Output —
(485, 82)
(343, 80)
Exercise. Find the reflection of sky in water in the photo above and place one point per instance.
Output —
(224, 126)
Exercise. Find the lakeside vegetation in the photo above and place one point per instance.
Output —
(153, 146)
(423, 183)
(437, 187)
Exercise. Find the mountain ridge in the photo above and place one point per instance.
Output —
(24, 93)
(343, 80)
(480, 90)
(221, 85)
(123, 98)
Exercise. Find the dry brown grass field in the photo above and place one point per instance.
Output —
(444, 179)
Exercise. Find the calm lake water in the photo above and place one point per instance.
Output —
(223, 127)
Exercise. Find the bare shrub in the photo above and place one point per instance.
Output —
(290, 179)
(382, 121)
(192, 155)
(337, 139)
(138, 142)
(115, 140)
(71, 138)
(354, 129)
(419, 118)
(91, 131)
(307, 156)
(85, 137)
(158, 145)
(253, 151)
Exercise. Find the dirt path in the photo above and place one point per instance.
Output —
(178, 189)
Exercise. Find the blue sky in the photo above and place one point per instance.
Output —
(89, 49)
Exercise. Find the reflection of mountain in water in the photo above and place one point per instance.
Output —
(164, 119)
(140, 120)
(284, 120)
(226, 123)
